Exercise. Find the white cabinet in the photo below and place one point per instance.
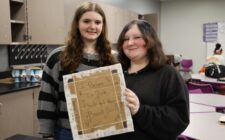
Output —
(16, 113)
(5, 29)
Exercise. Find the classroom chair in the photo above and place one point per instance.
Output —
(199, 87)
(186, 65)
(194, 90)
(182, 137)
(186, 68)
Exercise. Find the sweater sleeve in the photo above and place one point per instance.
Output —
(47, 101)
(171, 117)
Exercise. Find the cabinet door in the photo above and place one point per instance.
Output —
(36, 123)
(117, 18)
(5, 31)
(16, 113)
(152, 19)
(70, 7)
(45, 21)
(129, 16)
(110, 12)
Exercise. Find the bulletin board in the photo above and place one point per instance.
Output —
(96, 104)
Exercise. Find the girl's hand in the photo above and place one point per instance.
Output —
(132, 101)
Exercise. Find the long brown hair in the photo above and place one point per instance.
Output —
(72, 55)
(156, 56)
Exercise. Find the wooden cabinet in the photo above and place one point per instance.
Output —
(16, 113)
(152, 19)
(5, 29)
(35, 119)
(116, 17)
(45, 20)
(111, 21)
(32, 22)
(70, 6)
(18, 21)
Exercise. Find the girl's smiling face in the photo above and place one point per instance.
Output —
(134, 44)
(90, 25)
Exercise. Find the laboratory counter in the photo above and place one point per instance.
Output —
(7, 85)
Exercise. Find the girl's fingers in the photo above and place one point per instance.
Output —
(132, 101)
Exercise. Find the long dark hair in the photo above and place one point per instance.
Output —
(72, 55)
(156, 56)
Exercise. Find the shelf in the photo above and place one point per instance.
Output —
(17, 11)
(17, 1)
(18, 43)
(18, 32)
(17, 22)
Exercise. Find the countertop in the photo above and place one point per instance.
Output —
(7, 85)
(23, 137)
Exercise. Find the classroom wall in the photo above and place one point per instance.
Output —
(139, 6)
(181, 26)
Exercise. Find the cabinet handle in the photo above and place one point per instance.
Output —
(27, 37)
(30, 37)
(1, 108)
